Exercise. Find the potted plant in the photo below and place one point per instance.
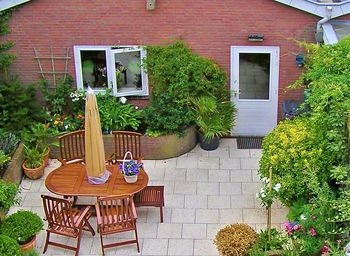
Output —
(39, 135)
(130, 169)
(22, 226)
(8, 196)
(34, 164)
(214, 119)
(9, 246)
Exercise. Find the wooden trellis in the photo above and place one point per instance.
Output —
(51, 70)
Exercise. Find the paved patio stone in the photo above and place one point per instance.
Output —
(181, 247)
(207, 215)
(183, 216)
(196, 201)
(204, 192)
(194, 231)
(205, 248)
(155, 247)
(208, 162)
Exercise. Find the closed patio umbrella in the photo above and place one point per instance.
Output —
(94, 148)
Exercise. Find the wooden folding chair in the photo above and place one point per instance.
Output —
(72, 147)
(151, 196)
(126, 141)
(66, 221)
(115, 215)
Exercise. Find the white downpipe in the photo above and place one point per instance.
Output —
(319, 30)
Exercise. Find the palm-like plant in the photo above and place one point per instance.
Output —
(214, 118)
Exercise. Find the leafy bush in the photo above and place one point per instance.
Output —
(22, 226)
(116, 115)
(175, 70)
(8, 142)
(296, 152)
(4, 160)
(58, 99)
(263, 245)
(5, 58)
(18, 106)
(164, 116)
(235, 240)
(30, 253)
(8, 195)
(9, 246)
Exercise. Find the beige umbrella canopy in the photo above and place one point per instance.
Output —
(94, 148)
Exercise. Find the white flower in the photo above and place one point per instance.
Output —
(257, 195)
(262, 195)
(66, 127)
(262, 190)
(265, 180)
(277, 187)
(122, 100)
(136, 107)
(303, 217)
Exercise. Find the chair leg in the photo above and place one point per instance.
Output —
(78, 244)
(137, 239)
(102, 247)
(47, 241)
(88, 225)
(161, 214)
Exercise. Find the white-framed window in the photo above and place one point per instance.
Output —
(116, 67)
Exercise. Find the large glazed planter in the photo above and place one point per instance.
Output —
(162, 147)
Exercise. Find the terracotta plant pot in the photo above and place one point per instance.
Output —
(46, 157)
(28, 246)
(35, 173)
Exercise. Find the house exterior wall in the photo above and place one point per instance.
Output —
(209, 28)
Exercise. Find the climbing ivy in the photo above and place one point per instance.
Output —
(5, 58)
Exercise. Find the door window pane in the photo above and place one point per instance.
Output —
(128, 71)
(254, 76)
(94, 69)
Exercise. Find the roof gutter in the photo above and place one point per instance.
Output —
(319, 30)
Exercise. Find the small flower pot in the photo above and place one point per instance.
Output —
(130, 179)
(35, 173)
(29, 245)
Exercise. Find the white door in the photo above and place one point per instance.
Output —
(254, 82)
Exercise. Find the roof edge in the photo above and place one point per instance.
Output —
(319, 9)
(7, 4)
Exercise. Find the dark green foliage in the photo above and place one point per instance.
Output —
(115, 115)
(165, 116)
(264, 245)
(22, 226)
(9, 246)
(176, 71)
(5, 58)
(58, 99)
(18, 106)
(8, 195)
(30, 253)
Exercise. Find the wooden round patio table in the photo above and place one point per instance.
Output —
(71, 180)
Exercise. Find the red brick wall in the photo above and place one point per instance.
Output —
(209, 27)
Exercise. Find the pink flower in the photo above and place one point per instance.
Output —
(325, 250)
(312, 232)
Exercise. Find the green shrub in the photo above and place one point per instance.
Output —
(263, 245)
(115, 115)
(18, 106)
(22, 226)
(8, 142)
(175, 70)
(164, 116)
(235, 240)
(58, 99)
(8, 195)
(296, 152)
(9, 246)
(30, 253)
(5, 58)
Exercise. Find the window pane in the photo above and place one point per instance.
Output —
(128, 71)
(94, 69)
(254, 76)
